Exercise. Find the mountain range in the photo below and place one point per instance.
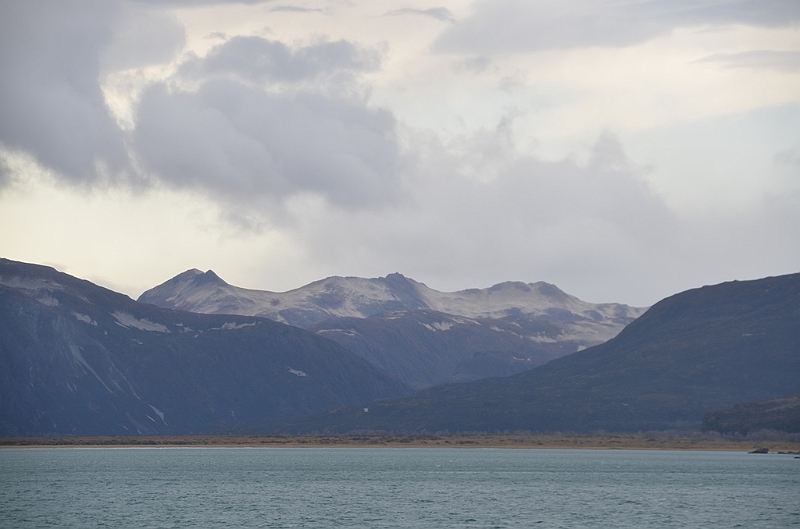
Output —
(423, 336)
(691, 354)
(76, 358)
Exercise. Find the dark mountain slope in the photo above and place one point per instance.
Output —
(690, 354)
(424, 348)
(781, 414)
(79, 359)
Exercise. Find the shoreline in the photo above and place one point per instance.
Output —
(647, 441)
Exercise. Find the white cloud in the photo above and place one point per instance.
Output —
(142, 38)
(783, 61)
(528, 219)
(500, 26)
(439, 13)
(261, 60)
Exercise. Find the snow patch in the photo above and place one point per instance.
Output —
(159, 413)
(232, 326)
(346, 332)
(84, 318)
(438, 326)
(78, 357)
(541, 338)
(127, 320)
(47, 301)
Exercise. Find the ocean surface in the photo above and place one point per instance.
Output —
(383, 487)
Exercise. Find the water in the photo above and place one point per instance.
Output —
(361, 487)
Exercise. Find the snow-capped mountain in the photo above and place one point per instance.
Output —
(355, 297)
(421, 335)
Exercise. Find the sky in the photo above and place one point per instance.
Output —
(624, 150)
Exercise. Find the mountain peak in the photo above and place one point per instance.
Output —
(550, 290)
(398, 278)
(187, 275)
(208, 278)
(185, 284)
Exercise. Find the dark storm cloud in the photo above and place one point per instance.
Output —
(270, 121)
(782, 61)
(51, 105)
(239, 134)
(499, 26)
(52, 57)
(439, 13)
(259, 60)
(244, 143)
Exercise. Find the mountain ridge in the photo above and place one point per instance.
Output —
(340, 296)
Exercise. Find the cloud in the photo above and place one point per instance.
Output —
(195, 3)
(142, 38)
(260, 60)
(439, 13)
(52, 57)
(782, 61)
(295, 9)
(238, 142)
(501, 26)
(473, 64)
(269, 122)
(51, 104)
(788, 159)
(237, 133)
(499, 214)
(483, 213)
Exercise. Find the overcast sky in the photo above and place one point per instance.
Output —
(624, 150)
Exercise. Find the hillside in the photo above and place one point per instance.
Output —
(781, 414)
(78, 359)
(425, 348)
(690, 354)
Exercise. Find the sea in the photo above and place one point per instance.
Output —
(386, 487)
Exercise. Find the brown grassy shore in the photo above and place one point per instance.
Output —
(646, 441)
